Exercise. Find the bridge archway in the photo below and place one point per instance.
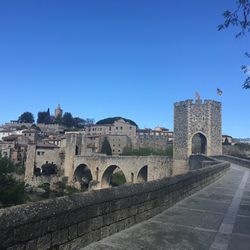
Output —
(143, 174)
(199, 144)
(83, 176)
(113, 176)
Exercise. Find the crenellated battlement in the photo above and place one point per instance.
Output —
(197, 120)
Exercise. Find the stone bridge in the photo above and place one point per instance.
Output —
(195, 210)
(99, 169)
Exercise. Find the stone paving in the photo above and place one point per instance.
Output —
(215, 218)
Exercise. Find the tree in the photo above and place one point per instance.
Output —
(79, 122)
(11, 191)
(26, 117)
(68, 120)
(43, 117)
(58, 120)
(106, 149)
(111, 120)
(90, 121)
(240, 18)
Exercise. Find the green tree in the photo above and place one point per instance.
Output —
(111, 120)
(106, 149)
(11, 191)
(79, 122)
(58, 120)
(239, 17)
(43, 117)
(26, 117)
(68, 120)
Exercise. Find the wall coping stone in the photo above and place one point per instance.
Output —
(42, 210)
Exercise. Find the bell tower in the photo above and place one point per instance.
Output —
(58, 112)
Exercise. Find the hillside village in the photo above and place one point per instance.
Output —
(123, 137)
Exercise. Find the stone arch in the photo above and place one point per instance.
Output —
(107, 175)
(143, 174)
(83, 176)
(199, 143)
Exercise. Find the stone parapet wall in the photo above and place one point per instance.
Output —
(235, 160)
(160, 142)
(200, 161)
(75, 221)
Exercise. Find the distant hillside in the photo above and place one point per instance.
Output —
(111, 120)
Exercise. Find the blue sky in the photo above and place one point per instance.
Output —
(132, 58)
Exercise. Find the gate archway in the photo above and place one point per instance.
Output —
(199, 144)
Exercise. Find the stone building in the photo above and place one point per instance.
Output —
(14, 147)
(197, 128)
(31, 134)
(40, 154)
(120, 134)
(158, 138)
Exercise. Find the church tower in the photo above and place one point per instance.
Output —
(58, 112)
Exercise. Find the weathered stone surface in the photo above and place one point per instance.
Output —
(80, 219)
(44, 242)
(7, 238)
(72, 234)
(200, 117)
(30, 231)
(83, 227)
(194, 223)
(59, 237)
(31, 245)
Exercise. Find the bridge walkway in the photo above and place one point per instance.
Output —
(215, 218)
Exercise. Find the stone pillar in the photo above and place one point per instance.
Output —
(30, 162)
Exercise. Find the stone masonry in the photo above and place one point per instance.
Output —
(191, 118)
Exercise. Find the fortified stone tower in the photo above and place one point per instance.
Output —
(75, 146)
(197, 128)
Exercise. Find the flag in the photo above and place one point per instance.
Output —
(219, 92)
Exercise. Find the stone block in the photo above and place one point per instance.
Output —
(80, 242)
(96, 223)
(108, 219)
(104, 232)
(106, 207)
(17, 247)
(66, 246)
(7, 238)
(83, 227)
(132, 211)
(72, 234)
(94, 211)
(31, 245)
(44, 242)
(121, 203)
(94, 236)
(30, 231)
(59, 237)
(129, 222)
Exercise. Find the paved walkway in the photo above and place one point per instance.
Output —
(215, 218)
